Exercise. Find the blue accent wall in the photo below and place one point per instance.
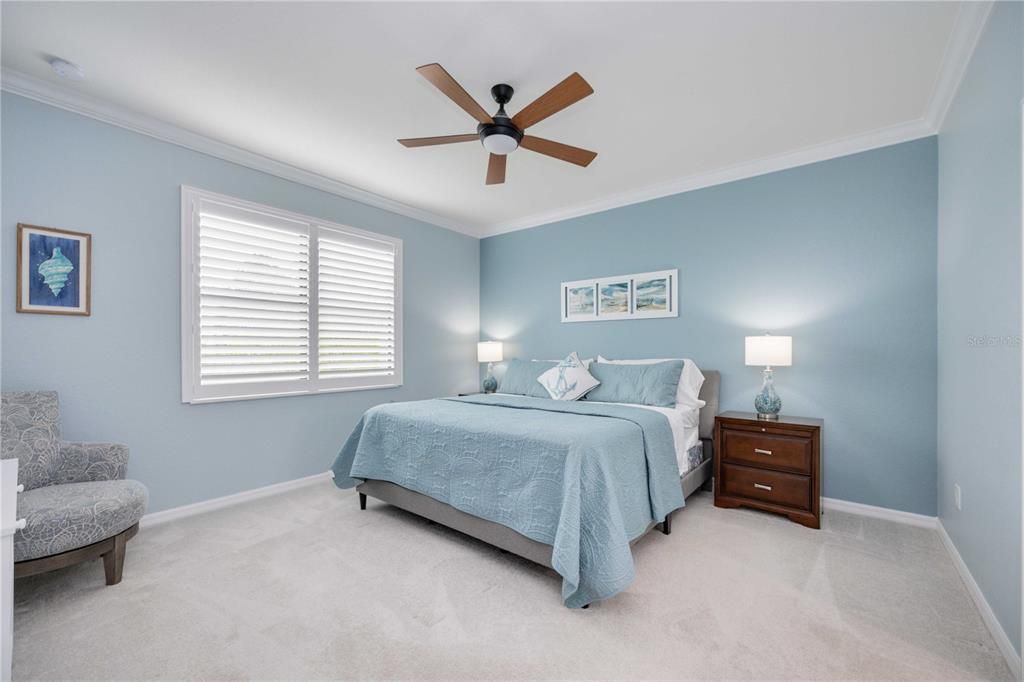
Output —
(979, 270)
(839, 254)
(119, 371)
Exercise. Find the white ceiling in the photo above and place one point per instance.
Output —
(681, 90)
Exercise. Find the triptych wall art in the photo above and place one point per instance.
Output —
(54, 271)
(627, 297)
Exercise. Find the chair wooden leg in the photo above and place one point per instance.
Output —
(362, 500)
(113, 561)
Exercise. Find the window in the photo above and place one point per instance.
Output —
(275, 303)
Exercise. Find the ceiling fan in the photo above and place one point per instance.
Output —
(502, 135)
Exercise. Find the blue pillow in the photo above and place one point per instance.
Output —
(521, 378)
(653, 384)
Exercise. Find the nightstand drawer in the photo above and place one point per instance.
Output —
(767, 450)
(787, 490)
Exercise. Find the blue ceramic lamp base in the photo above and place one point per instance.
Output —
(490, 384)
(767, 402)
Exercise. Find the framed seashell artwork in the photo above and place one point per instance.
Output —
(54, 271)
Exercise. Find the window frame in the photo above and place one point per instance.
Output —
(192, 391)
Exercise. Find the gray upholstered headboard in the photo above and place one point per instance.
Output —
(709, 394)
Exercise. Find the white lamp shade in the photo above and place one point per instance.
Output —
(769, 351)
(488, 351)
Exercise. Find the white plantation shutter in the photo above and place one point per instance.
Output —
(356, 312)
(253, 299)
(274, 303)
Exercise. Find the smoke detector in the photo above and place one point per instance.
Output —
(67, 70)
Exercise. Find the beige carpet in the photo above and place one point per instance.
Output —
(304, 585)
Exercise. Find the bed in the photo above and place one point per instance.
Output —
(569, 485)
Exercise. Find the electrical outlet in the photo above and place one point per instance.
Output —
(957, 497)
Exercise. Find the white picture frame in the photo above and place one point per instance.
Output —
(579, 301)
(642, 295)
(661, 300)
(614, 298)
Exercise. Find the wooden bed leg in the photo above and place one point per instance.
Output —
(362, 500)
(585, 606)
(666, 525)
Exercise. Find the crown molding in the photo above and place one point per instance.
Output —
(863, 142)
(967, 29)
(968, 26)
(62, 97)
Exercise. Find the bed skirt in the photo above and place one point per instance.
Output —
(492, 533)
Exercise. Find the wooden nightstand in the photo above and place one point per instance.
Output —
(773, 466)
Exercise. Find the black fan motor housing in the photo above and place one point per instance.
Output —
(502, 124)
(502, 93)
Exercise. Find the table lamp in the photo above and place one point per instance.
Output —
(489, 352)
(768, 351)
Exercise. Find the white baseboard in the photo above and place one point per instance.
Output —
(829, 503)
(176, 513)
(987, 614)
(1013, 659)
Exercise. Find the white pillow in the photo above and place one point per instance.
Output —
(586, 361)
(569, 380)
(690, 380)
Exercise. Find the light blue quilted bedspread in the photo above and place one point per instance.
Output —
(586, 478)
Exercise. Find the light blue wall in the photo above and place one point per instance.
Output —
(839, 254)
(118, 371)
(979, 411)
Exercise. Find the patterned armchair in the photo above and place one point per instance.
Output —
(76, 504)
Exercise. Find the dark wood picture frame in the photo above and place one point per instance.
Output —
(86, 257)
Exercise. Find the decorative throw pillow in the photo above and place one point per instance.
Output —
(690, 381)
(569, 380)
(653, 384)
(520, 378)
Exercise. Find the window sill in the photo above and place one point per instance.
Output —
(288, 394)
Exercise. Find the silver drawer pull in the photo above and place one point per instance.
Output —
(761, 486)
(759, 451)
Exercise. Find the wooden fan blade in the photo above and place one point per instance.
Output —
(569, 91)
(557, 150)
(496, 169)
(442, 139)
(443, 81)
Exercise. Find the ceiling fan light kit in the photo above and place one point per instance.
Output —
(502, 135)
